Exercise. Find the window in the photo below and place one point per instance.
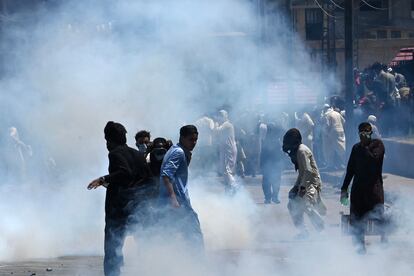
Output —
(313, 24)
(412, 8)
(395, 34)
(368, 35)
(381, 34)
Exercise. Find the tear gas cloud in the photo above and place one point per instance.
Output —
(150, 65)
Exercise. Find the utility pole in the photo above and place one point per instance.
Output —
(290, 26)
(3, 22)
(261, 16)
(349, 74)
(331, 39)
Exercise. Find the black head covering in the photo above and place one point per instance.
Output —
(291, 142)
(115, 133)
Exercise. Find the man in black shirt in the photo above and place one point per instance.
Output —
(126, 183)
(367, 192)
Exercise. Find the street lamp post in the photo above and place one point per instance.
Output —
(349, 75)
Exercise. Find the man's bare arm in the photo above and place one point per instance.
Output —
(170, 190)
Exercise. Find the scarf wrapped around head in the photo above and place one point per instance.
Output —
(115, 133)
(291, 142)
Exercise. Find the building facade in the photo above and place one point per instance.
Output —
(381, 28)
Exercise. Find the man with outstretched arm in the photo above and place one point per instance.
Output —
(127, 182)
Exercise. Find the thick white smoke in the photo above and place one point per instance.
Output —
(149, 65)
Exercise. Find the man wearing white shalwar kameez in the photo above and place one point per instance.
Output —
(305, 125)
(334, 139)
(204, 154)
(227, 150)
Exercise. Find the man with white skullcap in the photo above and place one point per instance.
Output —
(372, 120)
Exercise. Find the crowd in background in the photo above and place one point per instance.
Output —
(249, 144)
(235, 144)
(385, 92)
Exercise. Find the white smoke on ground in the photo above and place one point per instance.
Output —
(41, 222)
(217, 208)
(269, 248)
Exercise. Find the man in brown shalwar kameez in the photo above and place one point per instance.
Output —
(367, 192)
(304, 197)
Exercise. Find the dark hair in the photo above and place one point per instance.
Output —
(188, 130)
(115, 132)
(159, 142)
(142, 134)
(364, 125)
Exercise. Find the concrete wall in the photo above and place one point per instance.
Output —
(399, 157)
(380, 50)
(400, 9)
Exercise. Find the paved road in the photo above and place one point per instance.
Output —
(258, 239)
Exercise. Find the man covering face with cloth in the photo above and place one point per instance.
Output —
(367, 192)
(304, 197)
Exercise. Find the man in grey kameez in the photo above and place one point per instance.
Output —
(304, 197)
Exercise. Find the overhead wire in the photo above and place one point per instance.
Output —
(364, 2)
(336, 5)
(342, 8)
(373, 7)
(323, 10)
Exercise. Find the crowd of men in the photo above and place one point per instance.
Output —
(147, 186)
(385, 92)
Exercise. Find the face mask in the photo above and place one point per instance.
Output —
(365, 134)
(142, 147)
(158, 153)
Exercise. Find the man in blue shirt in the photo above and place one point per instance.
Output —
(177, 214)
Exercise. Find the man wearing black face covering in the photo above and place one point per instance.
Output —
(367, 192)
(128, 176)
(291, 143)
(304, 197)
